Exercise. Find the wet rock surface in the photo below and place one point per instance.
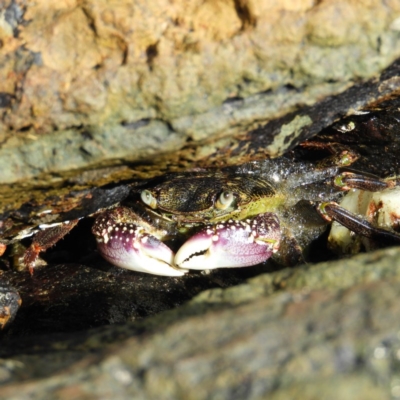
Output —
(9, 304)
(70, 297)
(312, 330)
(92, 83)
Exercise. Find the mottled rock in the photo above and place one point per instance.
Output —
(275, 336)
(9, 304)
(72, 71)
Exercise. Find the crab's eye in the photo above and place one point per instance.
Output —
(225, 200)
(148, 198)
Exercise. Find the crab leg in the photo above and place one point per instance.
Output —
(351, 180)
(333, 211)
(45, 239)
(231, 244)
(128, 245)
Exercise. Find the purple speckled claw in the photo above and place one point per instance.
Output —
(231, 244)
(128, 246)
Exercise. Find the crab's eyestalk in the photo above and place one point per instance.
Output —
(148, 199)
(225, 200)
(127, 245)
(232, 244)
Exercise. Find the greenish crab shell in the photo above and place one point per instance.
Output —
(232, 220)
(213, 198)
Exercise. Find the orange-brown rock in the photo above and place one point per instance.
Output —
(97, 69)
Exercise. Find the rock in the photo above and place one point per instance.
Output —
(89, 83)
(9, 304)
(309, 330)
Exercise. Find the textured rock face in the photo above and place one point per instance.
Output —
(313, 332)
(85, 82)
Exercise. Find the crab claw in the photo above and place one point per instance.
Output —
(129, 246)
(231, 244)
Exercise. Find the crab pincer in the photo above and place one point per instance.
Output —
(127, 245)
(45, 239)
(232, 244)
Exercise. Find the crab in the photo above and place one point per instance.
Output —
(229, 213)
(235, 218)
